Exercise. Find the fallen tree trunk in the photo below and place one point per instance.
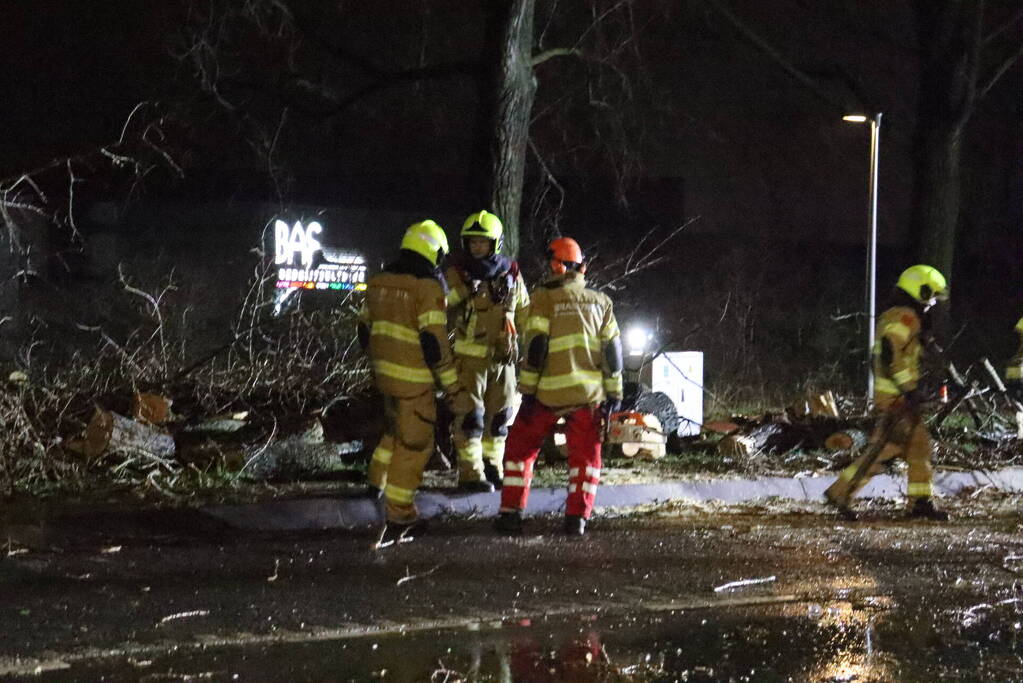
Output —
(753, 441)
(109, 432)
(846, 440)
(780, 435)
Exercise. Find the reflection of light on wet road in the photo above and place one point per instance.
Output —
(860, 638)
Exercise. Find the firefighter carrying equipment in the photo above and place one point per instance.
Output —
(489, 301)
(924, 283)
(568, 335)
(1014, 369)
(404, 321)
(483, 224)
(900, 431)
(904, 435)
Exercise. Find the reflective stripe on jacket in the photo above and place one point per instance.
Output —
(579, 323)
(398, 309)
(899, 327)
(480, 319)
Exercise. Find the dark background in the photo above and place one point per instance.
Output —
(684, 121)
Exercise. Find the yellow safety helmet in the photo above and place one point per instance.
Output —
(924, 283)
(483, 224)
(427, 239)
(1019, 326)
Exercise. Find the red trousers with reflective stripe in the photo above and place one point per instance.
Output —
(531, 427)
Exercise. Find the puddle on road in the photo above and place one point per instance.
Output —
(869, 640)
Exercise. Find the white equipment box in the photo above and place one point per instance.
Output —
(679, 374)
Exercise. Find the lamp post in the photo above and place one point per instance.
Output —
(871, 293)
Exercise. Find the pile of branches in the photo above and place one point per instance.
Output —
(977, 424)
(273, 377)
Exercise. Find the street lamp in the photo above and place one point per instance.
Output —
(871, 294)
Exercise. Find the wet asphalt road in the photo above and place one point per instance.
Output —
(172, 596)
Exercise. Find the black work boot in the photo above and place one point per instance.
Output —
(843, 509)
(475, 487)
(395, 533)
(923, 508)
(575, 525)
(509, 523)
(492, 475)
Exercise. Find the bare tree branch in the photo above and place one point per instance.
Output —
(991, 37)
(1000, 71)
(553, 52)
(764, 46)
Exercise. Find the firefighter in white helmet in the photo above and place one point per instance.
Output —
(488, 298)
(898, 395)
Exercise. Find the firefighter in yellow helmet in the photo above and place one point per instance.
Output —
(403, 325)
(1014, 370)
(489, 300)
(572, 369)
(898, 395)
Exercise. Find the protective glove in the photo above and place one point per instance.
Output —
(528, 403)
(610, 406)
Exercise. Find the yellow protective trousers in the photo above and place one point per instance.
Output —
(905, 436)
(480, 430)
(404, 449)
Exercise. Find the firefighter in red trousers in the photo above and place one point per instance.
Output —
(572, 369)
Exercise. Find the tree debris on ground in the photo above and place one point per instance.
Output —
(978, 426)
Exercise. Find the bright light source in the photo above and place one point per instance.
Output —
(636, 339)
(855, 118)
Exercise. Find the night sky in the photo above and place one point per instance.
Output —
(713, 128)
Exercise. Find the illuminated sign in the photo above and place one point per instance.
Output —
(304, 263)
(290, 242)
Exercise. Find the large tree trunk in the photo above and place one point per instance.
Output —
(937, 201)
(950, 37)
(510, 101)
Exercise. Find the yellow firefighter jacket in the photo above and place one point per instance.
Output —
(897, 354)
(408, 339)
(578, 325)
(484, 310)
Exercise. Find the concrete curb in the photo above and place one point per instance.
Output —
(352, 513)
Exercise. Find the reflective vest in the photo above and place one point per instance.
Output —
(484, 308)
(899, 327)
(578, 323)
(407, 325)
